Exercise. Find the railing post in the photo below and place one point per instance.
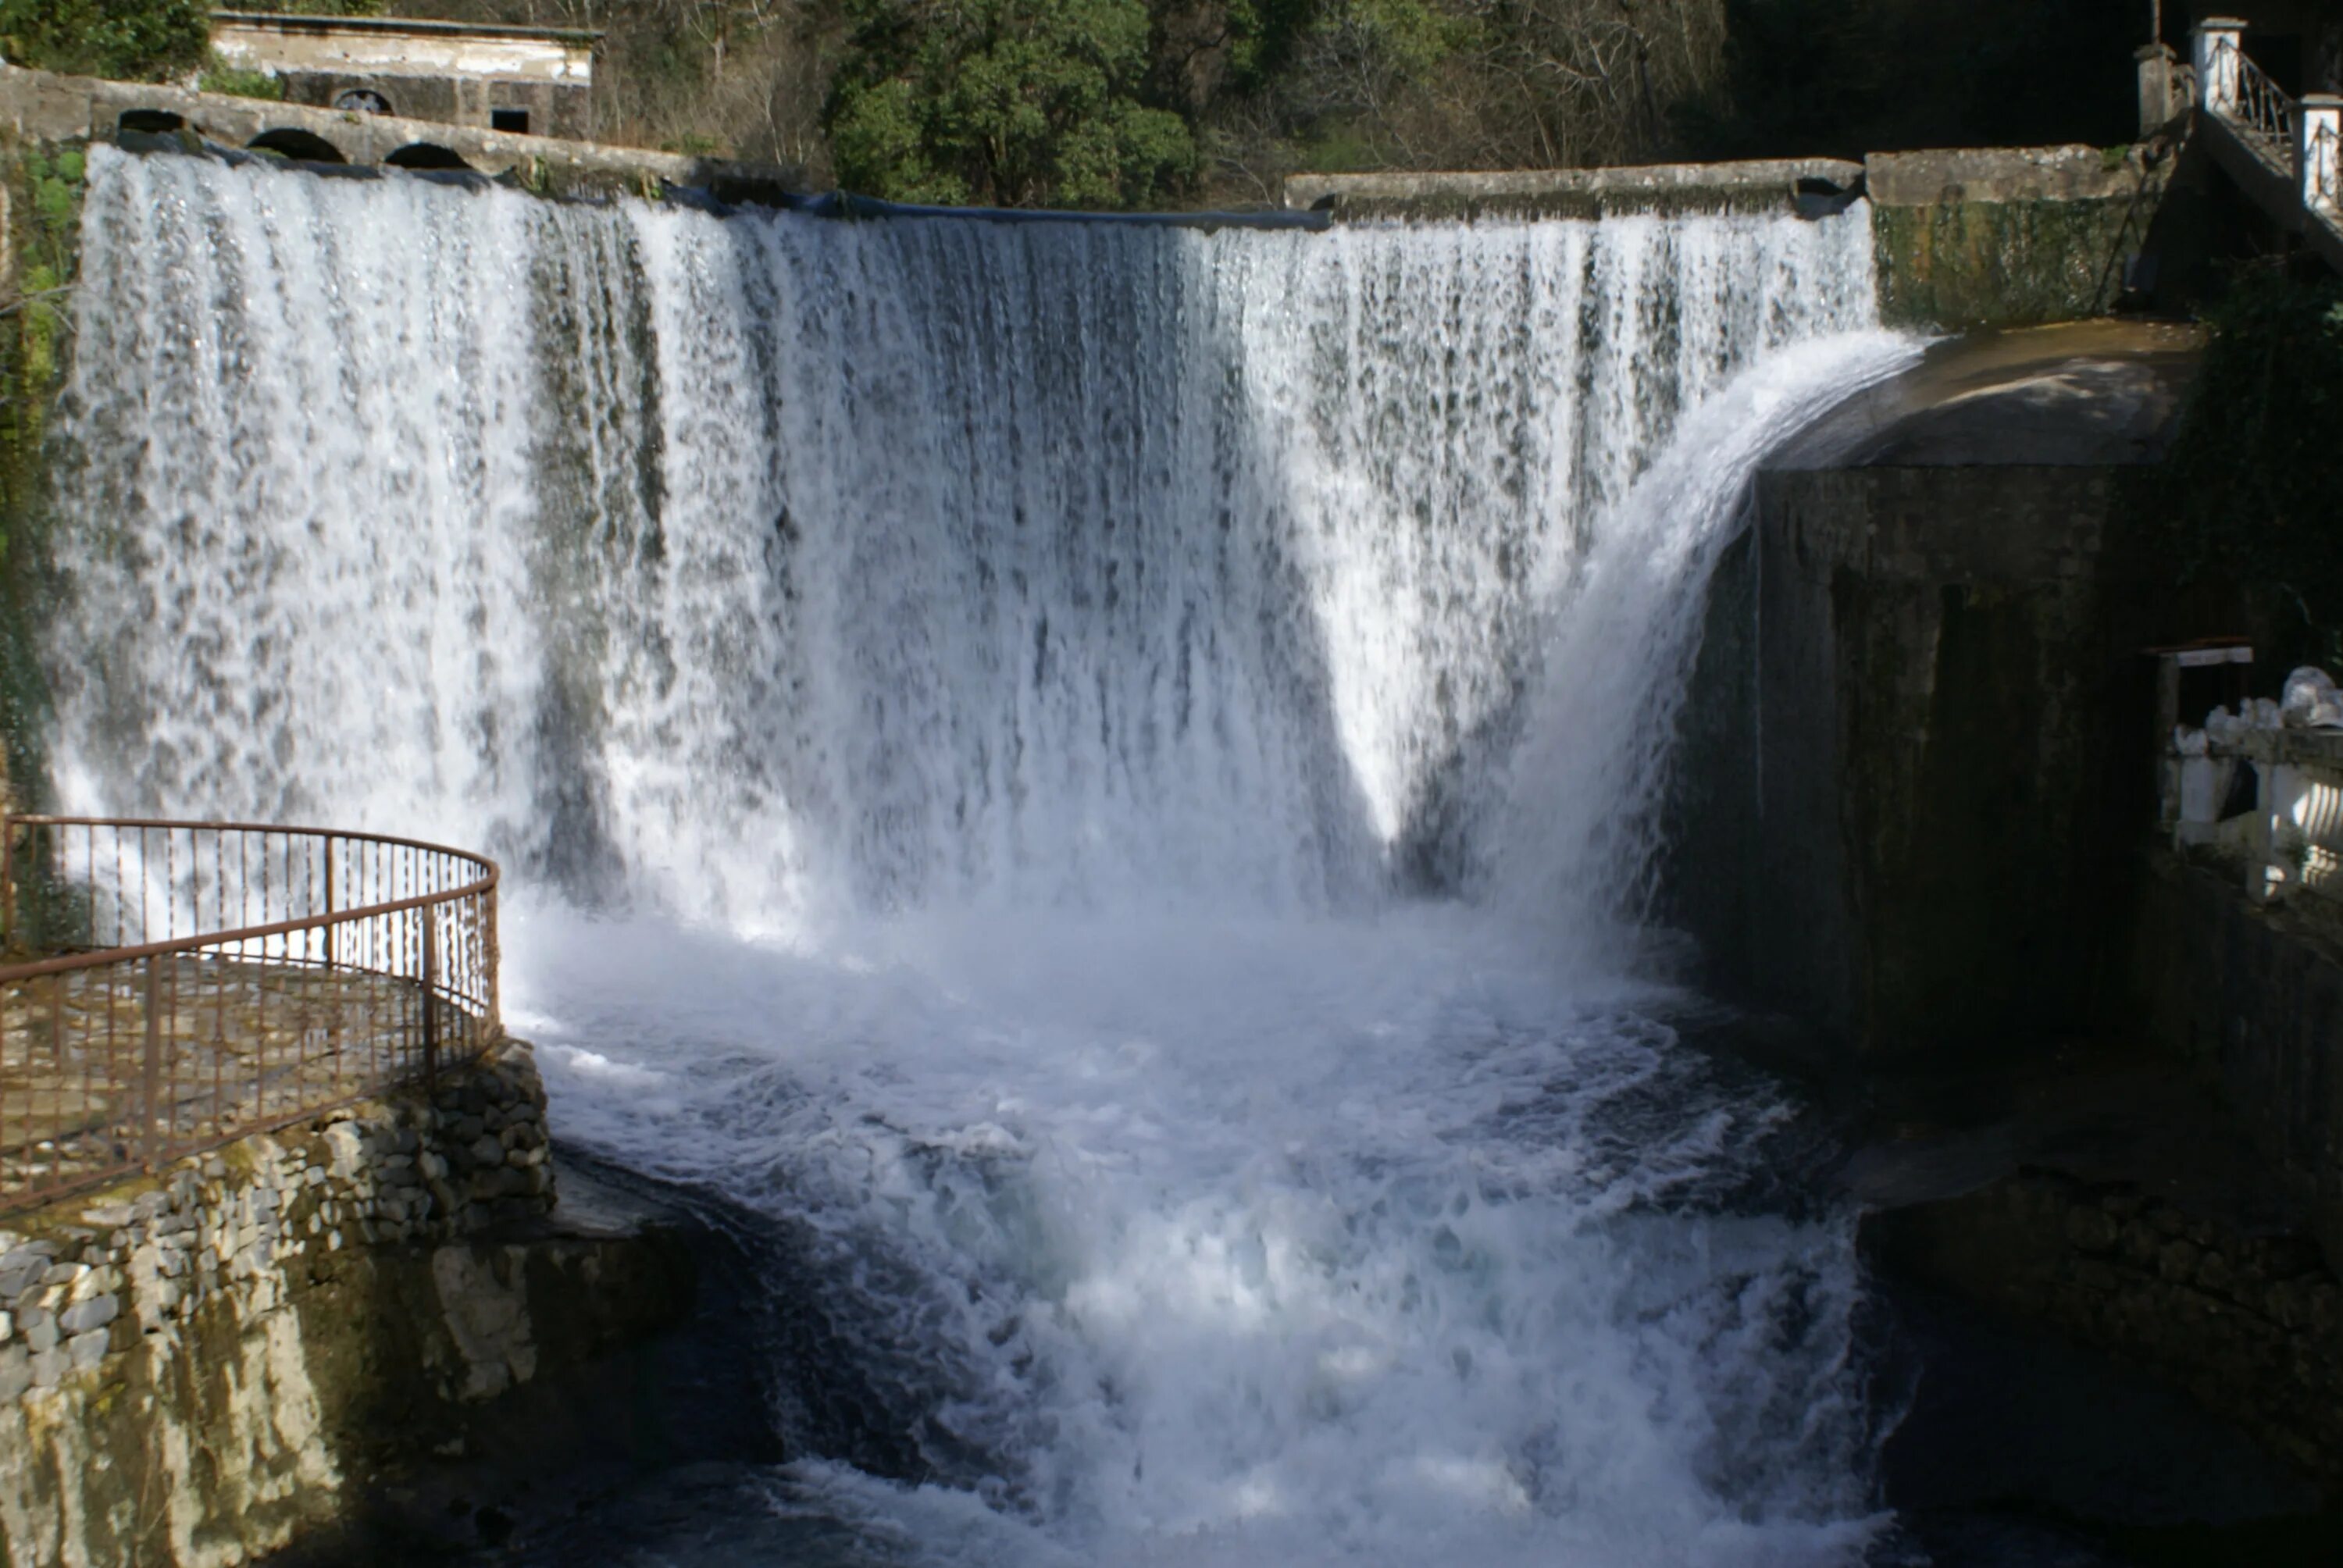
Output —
(7, 882)
(430, 1014)
(332, 931)
(495, 970)
(2217, 43)
(151, 1093)
(2319, 152)
(2161, 98)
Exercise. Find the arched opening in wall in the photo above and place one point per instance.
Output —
(362, 101)
(153, 122)
(426, 155)
(303, 147)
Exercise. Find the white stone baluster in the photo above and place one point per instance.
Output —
(2218, 47)
(2319, 154)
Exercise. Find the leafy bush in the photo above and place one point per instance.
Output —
(219, 77)
(130, 40)
(1011, 103)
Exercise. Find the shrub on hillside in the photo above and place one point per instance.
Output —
(1008, 102)
(131, 40)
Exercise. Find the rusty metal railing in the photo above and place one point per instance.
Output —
(2251, 100)
(170, 986)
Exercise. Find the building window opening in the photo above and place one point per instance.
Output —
(362, 101)
(513, 120)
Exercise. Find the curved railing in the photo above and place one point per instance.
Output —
(174, 986)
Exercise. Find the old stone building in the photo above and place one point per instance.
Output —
(534, 81)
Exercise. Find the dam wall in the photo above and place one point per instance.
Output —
(1965, 238)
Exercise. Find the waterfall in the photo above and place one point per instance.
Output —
(1090, 772)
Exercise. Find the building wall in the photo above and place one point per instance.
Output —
(422, 71)
(410, 49)
(554, 109)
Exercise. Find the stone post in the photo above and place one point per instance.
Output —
(2319, 152)
(2218, 45)
(2163, 87)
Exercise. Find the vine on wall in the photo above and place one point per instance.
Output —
(2252, 496)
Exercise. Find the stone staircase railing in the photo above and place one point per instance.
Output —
(2287, 155)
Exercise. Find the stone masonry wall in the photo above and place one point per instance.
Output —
(191, 1365)
(2249, 1322)
(2253, 993)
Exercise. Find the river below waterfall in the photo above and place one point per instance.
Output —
(1101, 781)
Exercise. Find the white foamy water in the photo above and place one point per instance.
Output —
(1100, 779)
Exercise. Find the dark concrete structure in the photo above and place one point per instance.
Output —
(1902, 807)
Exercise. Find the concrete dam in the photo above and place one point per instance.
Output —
(1243, 867)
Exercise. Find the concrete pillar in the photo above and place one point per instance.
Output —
(2164, 88)
(2319, 125)
(2219, 45)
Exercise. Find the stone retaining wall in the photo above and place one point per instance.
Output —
(2249, 1323)
(195, 1367)
(2254, 994)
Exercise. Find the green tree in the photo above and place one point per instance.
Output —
(132, 40)
(1009, 103)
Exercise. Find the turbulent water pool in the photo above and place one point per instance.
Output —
(1103, 781)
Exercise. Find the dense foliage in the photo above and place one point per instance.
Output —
(1009, 103)
(1119, 103)
(2250, 490)
(137, 40)
(1177, 102)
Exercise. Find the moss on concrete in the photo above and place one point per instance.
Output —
(1958, 264)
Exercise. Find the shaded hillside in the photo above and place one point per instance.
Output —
(1141, 103)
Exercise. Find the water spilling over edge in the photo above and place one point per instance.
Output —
(1096, 775)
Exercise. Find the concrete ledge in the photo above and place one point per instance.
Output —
(40, 106)
(1997, 174)
(1770, 183)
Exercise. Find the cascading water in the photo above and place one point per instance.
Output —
(1097, 775)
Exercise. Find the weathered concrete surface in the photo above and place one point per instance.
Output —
(1896, 818)
(2008, 236)
(200, 1368)
(1966, 238)
(2085, 394)
(1929, 672)
(1769, 184)
(457, 73)
(39, 105)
